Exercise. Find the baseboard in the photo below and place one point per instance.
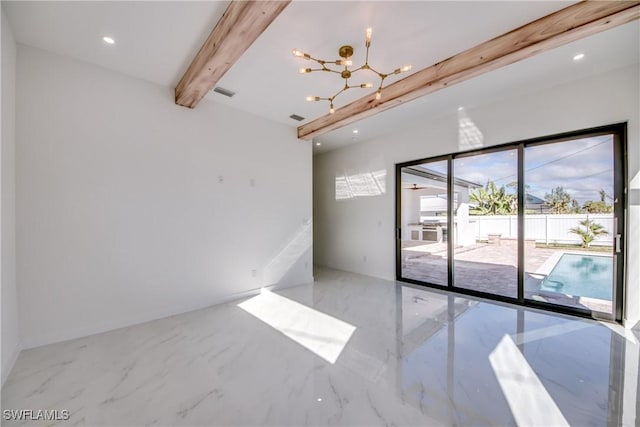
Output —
(8, 366)
(366, 273)
(46, 339)
(43, 340)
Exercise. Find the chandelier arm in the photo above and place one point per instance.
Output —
(324, 62)
(358, 87)
(333, 71)
(324, 68)
(381, 82)
(376, 71)
(319, 61)
(341, 90)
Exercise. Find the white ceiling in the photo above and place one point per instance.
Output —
(156, 40)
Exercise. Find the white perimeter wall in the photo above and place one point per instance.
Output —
(357, 234)
(10, 330)
(130, 208)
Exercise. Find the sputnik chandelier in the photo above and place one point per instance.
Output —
(346, 52)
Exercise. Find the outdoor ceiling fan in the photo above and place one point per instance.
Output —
(415, 187)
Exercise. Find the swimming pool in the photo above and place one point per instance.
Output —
(581, 275)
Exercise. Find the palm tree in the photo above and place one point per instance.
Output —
(558, 200)
(491, 200)
(589, 233)
(603, 195)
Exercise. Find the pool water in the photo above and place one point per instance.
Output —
(581, 275)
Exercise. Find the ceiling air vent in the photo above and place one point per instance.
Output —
(296, 117)
(223, 91)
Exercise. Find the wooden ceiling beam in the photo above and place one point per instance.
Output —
(240, 25)
(564, 26)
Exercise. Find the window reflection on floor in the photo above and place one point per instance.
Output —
(497, 364)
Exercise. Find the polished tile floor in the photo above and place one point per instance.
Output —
(350, 350)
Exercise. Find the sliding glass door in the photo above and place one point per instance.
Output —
(486, 222)
(570, 224)
(425, 227)
(537, 222)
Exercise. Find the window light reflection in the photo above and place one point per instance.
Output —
(361, 185)
(324, 335)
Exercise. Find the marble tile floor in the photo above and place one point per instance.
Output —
(400, 355)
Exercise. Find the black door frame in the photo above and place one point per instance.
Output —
(619, 132)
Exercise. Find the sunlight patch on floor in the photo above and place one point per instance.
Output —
(528, 399)
(324, 335)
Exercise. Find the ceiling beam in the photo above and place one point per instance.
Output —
(567, 25)
(240, 25)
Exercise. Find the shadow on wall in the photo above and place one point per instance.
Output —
(469, 136)
(288, 256)
(367, 184)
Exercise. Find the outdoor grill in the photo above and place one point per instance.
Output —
(434, 230)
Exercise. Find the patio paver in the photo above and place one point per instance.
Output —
(490, 268)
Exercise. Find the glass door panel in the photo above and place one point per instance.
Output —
(485, 188)
(570, 225)
(423, 222)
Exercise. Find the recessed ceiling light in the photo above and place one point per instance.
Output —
(318, 144)
(355, 131)
(578, 57)
(108, 40)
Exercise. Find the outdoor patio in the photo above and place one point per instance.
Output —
(491, 268)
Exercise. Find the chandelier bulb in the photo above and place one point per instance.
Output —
(366, 85)
(297, 52)
(331, 109)
(378, 94)
(369, 31)
(405, 68)
(348, 62)
(313, 98)
(305, 70)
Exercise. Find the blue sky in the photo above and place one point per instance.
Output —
(581, 166)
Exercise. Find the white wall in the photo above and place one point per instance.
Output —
(347, 231)
(121, 215)
(10, 330)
